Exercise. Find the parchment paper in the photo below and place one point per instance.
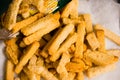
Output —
(104, 12)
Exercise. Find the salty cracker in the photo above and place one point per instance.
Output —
(70, 9)
(64, 47)
(94, 71)
(75, 67)
(31, 75)
(11, 14)
(71, 21)
(61, 66)
(12, 50)
(80, 76)
(26, 22)
(80, 40)
(87, 19)
(41, 23)
(41, 32)
(92, 40)
(99, 58)
(101, 38)
(9, 75)
(71, 76)
(27, 55)
(44, 52)
(60, 38)
(109, 34)
(115, 52)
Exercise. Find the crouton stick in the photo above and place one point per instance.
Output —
(11, 15)
(31, 75)
(68, 42)
(60, 38)
(115, 52)
(40, 24)
(109, 34)
(70, 9)
(88, 21)
(9, 70)
(80, 40)
(80, 76)
(12, 50)
(71, 76)
(99, 58)
(94, 71)
(27, 55)
(44, 52)
(26, 22)
(101, 39)
(75, 67)
(92, 40)
(61, 66)
(37, 35)
(71, 21)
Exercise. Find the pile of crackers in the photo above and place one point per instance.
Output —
(60, 46)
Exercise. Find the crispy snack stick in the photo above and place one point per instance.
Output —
(99, 58)
(31, 75)
(23, 76)
(101, 38)
(61, 66)
(11, 14)
(109, 34)
(64, 47)
(71, 76)
(75, 67)
(92, 40)
(70, 9)
(115, 52)
(9, 70)
(44, 52)
(27, 55)
(72, 21)
(94, 71)
(88, 21)
(12, 50)
(60, 38)
(80, 76)
(80, 40)
(26, 22)
(38, 34)
(41, 23)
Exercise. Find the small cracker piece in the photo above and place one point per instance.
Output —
(94, 71)
(70, 9)
(9, 75)
(41, 23)
(44, 52)
(64, 47)
(87, 19)
(27, 55)
(109, 34)
(26, 22)
(99, 58)
(61, 66)
(115, 52)
(12, 50)
(80, 76)
(60, 38)
(75, 67)
(71, 76)
(101, 38)
(92, 40)
(80, 40)
(11, 14)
